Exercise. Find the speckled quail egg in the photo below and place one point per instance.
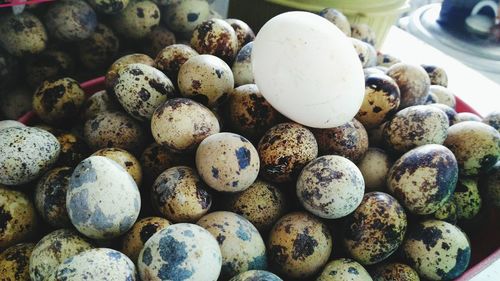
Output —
(206, 79)
(25, 154)
(137, 19)
(22, 34)
(244, 33)
(349, 140)
(493, 119)
(126, 160)
(437, 250)
(98, 103)
(14, 262)
(171, 58)
(242, 66)
(159, 38)
(216, 37)
(467, 198)
(431, 98)
(436, 74)
(413, 83)
(386, 60)
(50, 64)
(366, 53)
(364, 33)
(112, 72)
(73, 148)
(394, 271)
(57, 101)
(114, 129)
(16, 102)
(136, 237)
(382, 98)
(227, 162)
(330, 187)
(4, 124)
(447, 212)
(99, 49)
(248, 112)
(415, 126)
(262, 204)
(181, 251)
(375, 166)
(70, 20)
(344, 270)
(109, 6)
(256, 275)
(141, 88)
(52, 250)
(490, 184)
(450, 112)
(299, 245)
(475, 145)
(181, 124)
(338, 19)
(375, 229)
(18, 217)
(156, 158)
(102, 198)
(284, 150)
(241, 245)
(97, 264)
(50, 197)
(184, 16)
(424, 178)
(444, 95)
(466, 116)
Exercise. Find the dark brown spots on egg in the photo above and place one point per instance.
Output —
(140, 12)
(147, 231)
(278, 254)
(51, 95)
(144, 94)
(5, 217)
(303, 246)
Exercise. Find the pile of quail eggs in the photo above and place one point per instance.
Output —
(181, 170)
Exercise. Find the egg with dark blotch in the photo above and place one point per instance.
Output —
(415, 126)
(437, 250)
(50, 197)
(386, 60)
(493, 119)
(375, 229)
(338, 19)
(4, 124)
(114, 129)
(447, 212)
(49, 64)
(256, 275)
(437, 75)
(450, 112)
(182, 124)
(284, 150)
(18, 217)
(109, 6)
(413, 83)
(394, 271)
(112, 73)
(184, 16)
(14, 262)
(344, 270)
(330, 187)
(137, 20)
(97, 264)
(364, 33)
(25, 154)
(216, 37)
(467, 199)
(466, 116)
(244, 33)
(99, 49)
(375, 166)
(349, 140)
(431, 98)
(136, 237)
(156, 158)
(70, 20)
(16, 102)
(73, 149)
(424, 178)
(490, 185)
(367, 57)
(126, 160)
(171, 58)
(242, 66)
(299, 245)
(444, 95)
(103, 200)
(98, 103)
(475, 145)
(52, 250)
(241, 245)
(159, 38)
(227, 162)
(205, 79)
(181, 251)
(22, 34)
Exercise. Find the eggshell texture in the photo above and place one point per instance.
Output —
(22, 34)
(490, 184)
(437, 250)
(349, 140)
(256, 275)
(394, 271)
(227, 162)
(159, 38)
(136, 237)
(375, 166)
(376, 228)
(112, 73)
(4, 124)
(98, 103)
(382, 98)
(181, 124)
(299, 245)
(364, 33)
(444, 95)
(242, 66)
(181, 251)
(57, 101)
(25, 154)
(99, 49)
(331, 77)
(156, 158)
(16, 102)
(437, 75)
(330, 187)
(14, 262)
(466, 116)
(97, 264)
(206, 79)
(476, 146)
(109, 6)
(493, 119)
(216, 37)
(447, 212)
(73, 149)
(171, 58)
(243, 32)
(241, 245)
(126, 160)
(386, 60)
(467, 198)
(50, 64)
(137, 20)
(415, 126)
(367, 57)
(413, 83)
(450, 112)
(344, 270)
(70, 20)
(337, 18)
(284, 150)
(102, 199)
(52, 250)
(184, 16)
(424, 178)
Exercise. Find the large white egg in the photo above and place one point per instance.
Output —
(308, 70)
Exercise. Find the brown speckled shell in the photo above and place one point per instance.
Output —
(137, 20)
(124, 159)
(14, 262)
(344, 270)
(367, 55)
(18, 217)
(244, 33)
(375, 166)
(338, 19)
(450, 112)
(73, 149)
(98, 50)
(47, 65)
(216, 37)
(156, 158)
(444, 95)
(159, 38)
(108, 6)
(112, 72)
(136, 237)
(183, 16)
(22, 34)
(70, 20)
(413, 83)
(437, 75)
(299, 245)
(171, 58)
(98, 103)
(364, 33)
(467, 198)
(394, 271)
(493, 119)
(386, 60)
(242, 66)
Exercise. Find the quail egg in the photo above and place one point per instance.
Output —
(216, 37)
(386, 60)
(22, 34)
(242, 66)
(431, 98)
(98, 103)
(14, 262)
(394, 271)
(364, 33)
(159, 38)
(126, 160)
(375, 166)
(493, 119)
(70, 20)
(156, 158)
(244, 33)
(99, 49)
(109, 6)
(450, 112)
(4, 124)
(184, 16)
(437, 75)
(444, 95)
(366, 53)
(413, 83)
(50, 64)
(136, 237)
(171, 58)
(16, 102)
(466, 116)
(447, 212)
(338, 19)
(490, 184)
(137, 19)
(111, 74)
(344, 270)
(252, 275)
(467, 198)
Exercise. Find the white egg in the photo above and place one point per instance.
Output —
(308, 70)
